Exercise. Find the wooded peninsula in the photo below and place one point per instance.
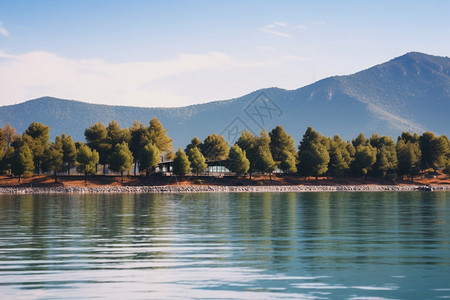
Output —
(147, 150)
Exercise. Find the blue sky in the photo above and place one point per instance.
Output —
(174, 53)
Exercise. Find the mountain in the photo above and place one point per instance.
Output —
(408, 93)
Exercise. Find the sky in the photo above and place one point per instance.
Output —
(177, 53)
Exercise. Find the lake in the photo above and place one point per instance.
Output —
(360, 245)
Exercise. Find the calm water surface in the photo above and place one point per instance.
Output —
(234, 246)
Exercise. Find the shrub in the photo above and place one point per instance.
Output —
(199, 181)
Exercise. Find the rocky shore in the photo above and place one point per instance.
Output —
(217, 189)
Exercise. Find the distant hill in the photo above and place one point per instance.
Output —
(410, 92)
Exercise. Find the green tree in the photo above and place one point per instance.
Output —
(341, 155)
(251, 144)
(22, 161)
(313, 154)
(215, 148)
(96, 138)
(264, 162)
(53, 160)
(248, 143)
(195, 143)
(197, 160)
(149, 158)
(365, 156)
(121, 159)
(86, 160)
(158, 136)
(434, 150)
(409, 156)
(40, 138)
(280, 142)
(288, 162)
(408, 137)
(181, 164)
(386, 158)
(237, 161)
(3, 144)
(69, 151)
(140, 138)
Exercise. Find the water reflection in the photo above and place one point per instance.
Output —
(287, 245)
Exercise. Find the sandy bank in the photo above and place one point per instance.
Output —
(216, 189)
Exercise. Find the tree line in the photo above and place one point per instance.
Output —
(144, 147)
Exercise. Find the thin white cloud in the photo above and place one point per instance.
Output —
(3, 30)
(287, 35)
(274, 29)
(284, 24)
(301, 26)
(143, 83)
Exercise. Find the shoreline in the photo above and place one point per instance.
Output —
(217, 189)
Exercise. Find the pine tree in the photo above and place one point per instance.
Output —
(237, 161)
(40, 138)
(181, 164)
(22, 161)
(149, 158)
(337, 165)
(264, 162)
(215, 148)
(409, 157)
(365, 157)
(313, 154)
(69, 151)
(288, 162)
(195, 143)
(280, 141)
(386, 158)
(158, 137)
(197, 160)
(248, 143)
(97, 139)
(3, 144)
(121, 159)
(86, 160)
(434, 150)
(140, 138)
(53, 158)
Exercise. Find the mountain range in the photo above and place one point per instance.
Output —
(407, 93)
